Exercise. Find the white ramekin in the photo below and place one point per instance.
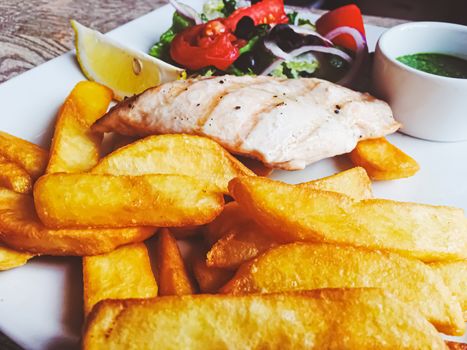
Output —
(429, 106)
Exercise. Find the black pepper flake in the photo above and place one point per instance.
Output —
(338, 107)
(237, 107)
(275, 96)
(198, 104)
(221, 82)
(336, 111)
(280, 104)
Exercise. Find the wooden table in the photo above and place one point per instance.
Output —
(35, 31)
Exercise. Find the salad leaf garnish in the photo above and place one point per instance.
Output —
(292, 16)
(161, 49)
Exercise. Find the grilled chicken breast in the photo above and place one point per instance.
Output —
(285, 123)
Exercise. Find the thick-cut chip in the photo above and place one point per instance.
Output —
(382, 160)
(236, 248)
(355, 319)
(97, 200)
(189, 155)
(14, 177)
(353, 182)
(171, 271)
(304, 266)
(21, 229)
(240, 238)
(75, 148)
(454, 275)
(10, 258)
(232, 219)
(29, 156)
(121, 274)
(209, 279)
(456, 346)
(292, 213)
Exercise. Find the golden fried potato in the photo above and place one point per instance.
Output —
(231, 220)
(454, 275)
(209, 279)
(121, 274)
(353, 182)
(292, 213)
(21, 229)
(172, 274)
(456, 346)
(14, 177)
(240, 238)
(255, 166)
(354, 319)
(75, 148)
(29, 156)
(236, 248)
(382, 160)
(189, 155)
(305, 266)
(10, 258)
(97, 200)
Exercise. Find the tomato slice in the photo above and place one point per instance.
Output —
(196, 48)
(349, 16)
(263, 12)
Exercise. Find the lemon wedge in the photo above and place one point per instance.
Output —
(125, 71)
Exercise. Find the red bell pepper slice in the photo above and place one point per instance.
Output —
(349, 16)
(194, 49)
(263, 12)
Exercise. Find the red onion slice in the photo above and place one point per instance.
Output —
(186, 11)
(323, 49)
(307, 31)
(360, 54)
(276, 50)
(272, 66)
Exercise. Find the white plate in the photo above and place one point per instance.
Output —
(41, 302)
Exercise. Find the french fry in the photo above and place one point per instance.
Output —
(456, 346)
(14, 177)
(355, 319)
(240, 238)
(172, 275)
(236, 248)
(21, 229)
(209, 279)
(305, 266)
(382, 160)
(75, 148)
(353, 182)
(29, 156)
(175, 154)
(454, 275)
(426, 232)
(231, 220)
(121, 274)
(10, 258)
(96, 200)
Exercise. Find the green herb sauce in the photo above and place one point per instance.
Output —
(437, 63)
